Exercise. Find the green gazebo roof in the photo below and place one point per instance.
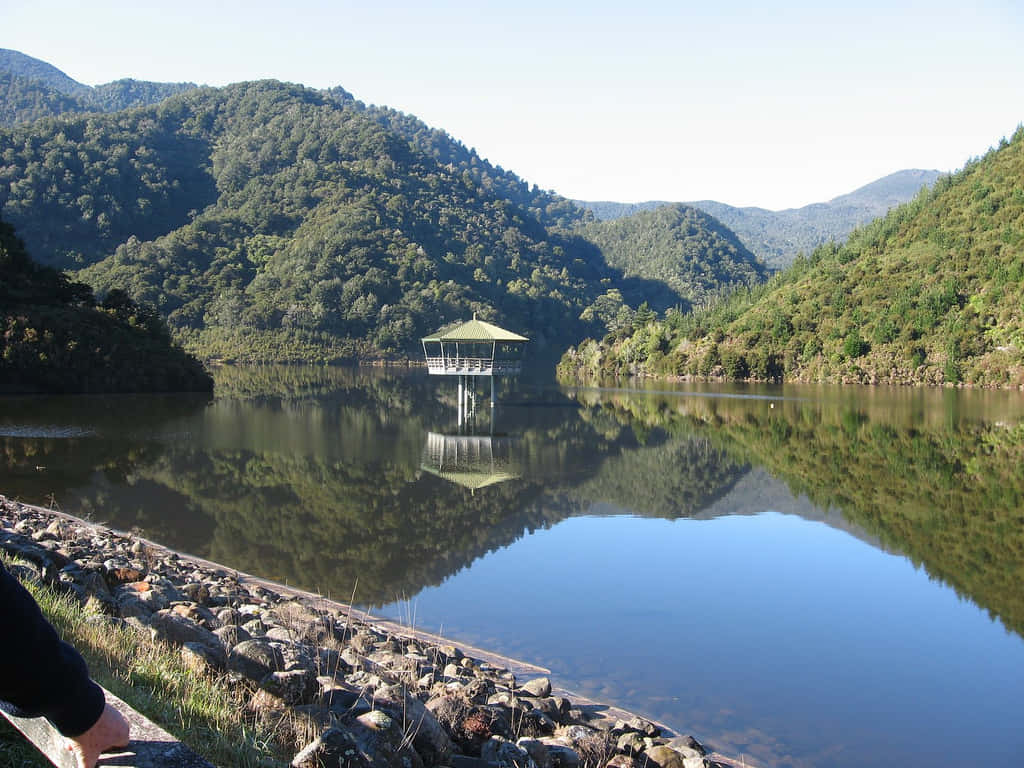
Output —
(474, 330)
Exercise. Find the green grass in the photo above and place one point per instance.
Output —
(200, 708)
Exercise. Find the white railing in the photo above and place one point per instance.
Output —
(480, 366)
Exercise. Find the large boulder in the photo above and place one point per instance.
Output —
(539, 687)
(664, 757)
(334, 748)
(295, 686)
(507, 754)
(429, 739)
(384, 741)
(177, 630)
(255, 659)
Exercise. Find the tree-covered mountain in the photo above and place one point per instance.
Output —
(928, 294)
(683, 247)
(272, 221)
(776, 237)
(56, 339)
(31, 89)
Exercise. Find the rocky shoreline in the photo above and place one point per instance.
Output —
(376, 695)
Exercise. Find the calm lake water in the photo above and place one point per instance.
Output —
(801, 576)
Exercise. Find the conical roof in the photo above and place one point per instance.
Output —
(474, 330)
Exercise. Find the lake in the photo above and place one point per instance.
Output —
(797, 575)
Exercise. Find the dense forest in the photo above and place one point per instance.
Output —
(268, 221)
(778, 237)
(928, 294)
(31, 89)
(683, 247)
(55, 338)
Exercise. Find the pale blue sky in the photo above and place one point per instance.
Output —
(743, 102)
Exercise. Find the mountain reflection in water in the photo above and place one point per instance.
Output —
(346, 481)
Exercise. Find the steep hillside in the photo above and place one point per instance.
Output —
(271, 221)
(681, 246)
(21, 65)
(55, 339)
(776, 237)
(31, 89)
(928, 294)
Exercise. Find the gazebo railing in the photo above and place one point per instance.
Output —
(483, 366)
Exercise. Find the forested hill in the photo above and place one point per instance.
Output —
(31, 89)
(54, 338)
(776, 237)
(930, 293)
(272, 221)
(685, 248)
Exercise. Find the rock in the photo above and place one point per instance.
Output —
(623, 761)
(535, 723)
(465, 761)
(469, 725)
(429, 739)
(177, 630)
(507, 754)
(255, 659)
(562, 756)
(196, 592)
(197, 613)
(383, 742)
(255, 627)
(479, 690)
(200, 659)
(696, 762)
(334, 748)
(646, 727)
(688, 746)
(118, 575)
(539, 687)
(364, 643)
(29, 574)
(96, 586)
(228, 616)
(538, 752)
(231, 635)
(630, 743)
(340, 697)
(297, 686)
(331, 663)
(664, 757)
(281, 634)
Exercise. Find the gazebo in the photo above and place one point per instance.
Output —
(474, 348)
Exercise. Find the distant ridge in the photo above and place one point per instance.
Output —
(776, 237)
(927, 294)
(20, 64)
(31, 89)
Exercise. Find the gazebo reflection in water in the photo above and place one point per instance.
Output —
(472, 461)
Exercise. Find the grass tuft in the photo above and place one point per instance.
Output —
(202, 709)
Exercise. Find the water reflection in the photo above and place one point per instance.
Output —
(356, 482)
(472, 461)
(323, 477)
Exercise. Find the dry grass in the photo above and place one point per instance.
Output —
(207, 713)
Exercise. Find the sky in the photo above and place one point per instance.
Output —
(749, 103)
